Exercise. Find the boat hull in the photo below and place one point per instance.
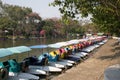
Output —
(36, 72)
(25, 76)
(46, 68)
(57, 65)
(69, 61)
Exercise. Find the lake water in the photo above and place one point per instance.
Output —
(33, 52)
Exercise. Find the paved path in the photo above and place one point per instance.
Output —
(93, 68)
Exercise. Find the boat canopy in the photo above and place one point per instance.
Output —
(75, 41)
(19, 49)
(58, 45)
(39, 46)
(5, 52)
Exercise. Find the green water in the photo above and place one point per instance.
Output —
(35, 52)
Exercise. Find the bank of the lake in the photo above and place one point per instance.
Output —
(93, 68)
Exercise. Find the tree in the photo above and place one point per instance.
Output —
(13, 18)
(48, 27)
(7, 24)
(16, 13)
(105, 13)
(32, 24)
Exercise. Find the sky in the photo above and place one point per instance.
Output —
(39, 6)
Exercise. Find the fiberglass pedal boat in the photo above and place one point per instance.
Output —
(34, 63)
(14, 70)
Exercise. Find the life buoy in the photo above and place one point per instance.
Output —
(3, 74)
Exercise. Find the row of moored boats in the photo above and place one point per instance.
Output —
(64, 56)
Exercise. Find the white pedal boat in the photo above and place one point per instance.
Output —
(15, 78)
(88, 49)
(68, 61)
(79, 54)
(57, 65)
(83, 53)
(36, 72)
(20, 75)
(64, 63)
(96, 45)
(74, 56)
(101, 43)
(46, 68)
(33, 71)
(105, 40)
(92, 47)
(24, 76)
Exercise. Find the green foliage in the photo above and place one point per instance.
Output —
(59, 27)
(21, 21)
(6, 23)
(16, 13)
(105, 13)
(11, 16)
(49, 26)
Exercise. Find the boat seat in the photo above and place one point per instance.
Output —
(24, 66)
(14, 66)
(4, 65)
(35, 61)
(53, 59)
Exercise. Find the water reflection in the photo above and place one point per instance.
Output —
(37, 52)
